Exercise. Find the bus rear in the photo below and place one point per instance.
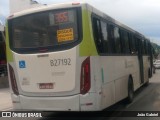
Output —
(45, 71)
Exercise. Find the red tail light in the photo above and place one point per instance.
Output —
(13, 80)
(85, 76)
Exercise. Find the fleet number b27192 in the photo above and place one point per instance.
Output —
(60, 62)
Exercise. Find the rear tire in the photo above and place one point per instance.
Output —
(130, 91)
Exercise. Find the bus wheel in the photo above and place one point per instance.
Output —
(130, 91)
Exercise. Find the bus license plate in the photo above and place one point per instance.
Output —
(46, 85)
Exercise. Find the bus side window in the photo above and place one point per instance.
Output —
(111, 38)
(105, 37)
(118, 43)
(125, 42)
(143, 46)
(147, 47)
(97, 35)
(136, 43)
(132, 44)
(115, 41)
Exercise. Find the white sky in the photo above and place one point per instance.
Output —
(141, 15)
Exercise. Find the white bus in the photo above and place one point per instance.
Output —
(72, 57)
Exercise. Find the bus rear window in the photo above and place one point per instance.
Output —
(49, 30)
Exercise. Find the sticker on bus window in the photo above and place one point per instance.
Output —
(22, 64)
(65, 35)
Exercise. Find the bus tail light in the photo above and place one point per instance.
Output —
(13, 80)
(85, 76)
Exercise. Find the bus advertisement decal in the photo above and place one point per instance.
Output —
(65, 35)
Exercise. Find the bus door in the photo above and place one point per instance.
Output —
(140, 59)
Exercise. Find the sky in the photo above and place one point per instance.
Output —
(4, 9)
(140, 15)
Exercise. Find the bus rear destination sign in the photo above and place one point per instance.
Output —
(65, 35)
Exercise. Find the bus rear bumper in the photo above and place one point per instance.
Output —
(70, 103)
(46, 103)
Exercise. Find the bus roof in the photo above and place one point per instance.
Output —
(69, 5)
(43, 8)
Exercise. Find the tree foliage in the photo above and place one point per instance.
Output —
(156, 50)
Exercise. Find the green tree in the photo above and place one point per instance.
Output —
(156, 49)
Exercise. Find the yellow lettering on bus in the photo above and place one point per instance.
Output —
(65, 35)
